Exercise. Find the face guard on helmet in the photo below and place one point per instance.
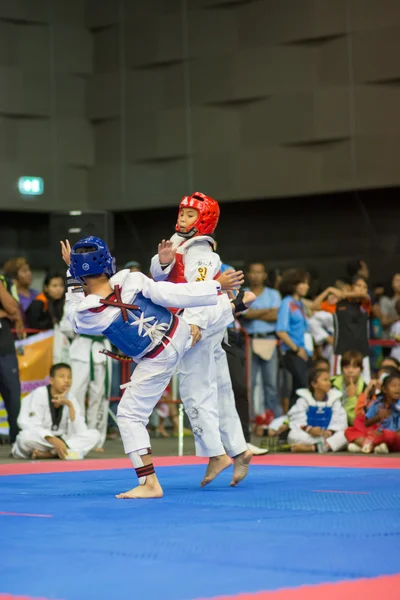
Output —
(93, 262)
(207, 218)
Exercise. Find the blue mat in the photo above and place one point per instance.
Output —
(274, 531)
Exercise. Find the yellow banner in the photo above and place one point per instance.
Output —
(35, 357)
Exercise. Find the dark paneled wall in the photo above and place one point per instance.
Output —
(45, 63)
(123, 104)
(263, 98)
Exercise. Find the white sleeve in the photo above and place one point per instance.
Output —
(298, 414)
(201, 264)
(73, 298)
(33, 412)
(157, 271)
(179, 295)
(317, 330)
(338, 421)
(78, 425)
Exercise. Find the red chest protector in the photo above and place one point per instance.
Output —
(177, 274)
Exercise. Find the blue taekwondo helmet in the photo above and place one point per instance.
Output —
(94, 262)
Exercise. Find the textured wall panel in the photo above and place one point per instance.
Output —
(24, 92)
(106, 49)
(153, 39)
(73, 49)
(107, 142)
(34, 11)
(370, 14)
(104, 96)
(101, 13)
(376, 54)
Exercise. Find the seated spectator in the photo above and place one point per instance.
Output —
(391, 361)
(293, 330)
(47, 309)
(369, 395)
(19, 270)
(379, 429)
(350, 383)
(51, 423)
(322, 364)
(352, 310)
(318, 420)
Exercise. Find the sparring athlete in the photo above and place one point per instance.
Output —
(204, 382)
(130, 310)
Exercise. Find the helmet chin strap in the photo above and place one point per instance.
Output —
(188, 234)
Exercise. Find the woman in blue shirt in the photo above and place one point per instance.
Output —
(293, 330)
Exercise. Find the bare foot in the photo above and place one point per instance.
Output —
(151, 489)
(302, 448)
(98, 449)
(40, 455)
(216, 465)
(241, 467)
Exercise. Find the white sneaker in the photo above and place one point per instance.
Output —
(353, 448)
(256, 450)
(381, 449)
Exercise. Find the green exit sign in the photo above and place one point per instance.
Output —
(31, 186)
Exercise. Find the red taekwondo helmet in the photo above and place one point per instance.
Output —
(208, 214)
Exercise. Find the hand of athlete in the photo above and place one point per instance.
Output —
(195, 332)
(231, 280)
(303, 354)
(166, 253)
(59, 447)
(66, 252)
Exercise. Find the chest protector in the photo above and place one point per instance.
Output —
(177, 273)
(319, 416)
(132, 335)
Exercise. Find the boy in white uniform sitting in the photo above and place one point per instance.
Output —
(51, 423)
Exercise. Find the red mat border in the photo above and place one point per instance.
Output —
(283, 460)
(385, 587)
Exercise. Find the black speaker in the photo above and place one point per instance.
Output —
(76, 224)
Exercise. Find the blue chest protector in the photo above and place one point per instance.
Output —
(319, 416)
(125, 334)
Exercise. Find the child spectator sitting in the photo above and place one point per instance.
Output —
(322, 364)
(350, 383)
(51, 423)
(379, 429)
(318, 420)
(369, 395)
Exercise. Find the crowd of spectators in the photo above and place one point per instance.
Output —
(317, 384)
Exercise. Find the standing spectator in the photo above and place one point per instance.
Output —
(293, 329)
(358, 267)
(395, 333)
(260, 323)
(19, 270)
(10, 388)
(47, 308)
(387, 305)
(351, 310)
(133, 266)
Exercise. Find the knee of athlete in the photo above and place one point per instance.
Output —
(25, 437)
